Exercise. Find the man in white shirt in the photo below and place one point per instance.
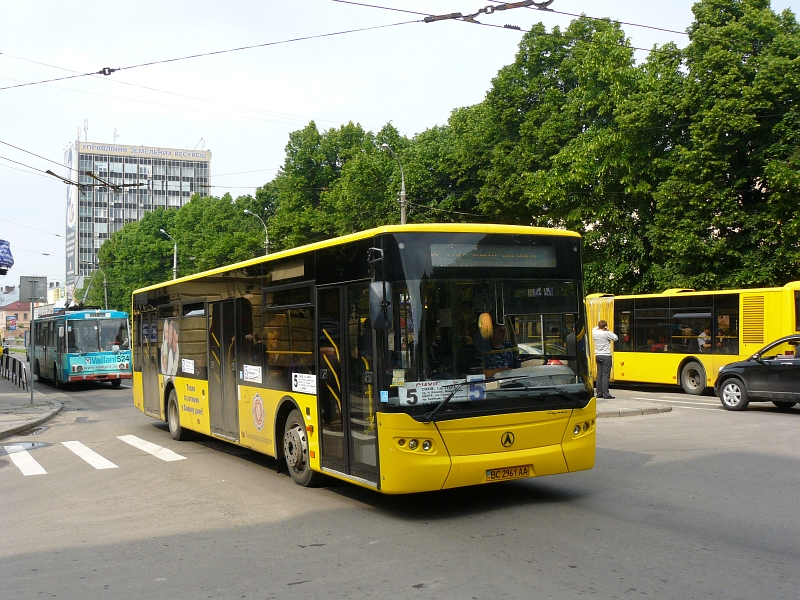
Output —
(602, 339)
(704, 340)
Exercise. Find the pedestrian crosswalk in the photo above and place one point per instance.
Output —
(22, 458)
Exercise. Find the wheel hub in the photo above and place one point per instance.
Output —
(295, 448)
(731, 395)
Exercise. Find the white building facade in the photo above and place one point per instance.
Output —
(168, 178)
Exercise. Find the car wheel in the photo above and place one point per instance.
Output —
(733, 395)
(783, 405)
(174, 419)
(693, 378)
(295, 451)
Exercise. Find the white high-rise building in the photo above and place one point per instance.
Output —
(168, 176)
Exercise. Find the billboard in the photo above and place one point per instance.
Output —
(6, 259)
(11, 322)
(71, 173)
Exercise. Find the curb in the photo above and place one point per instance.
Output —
(654, 409)
(56, 407)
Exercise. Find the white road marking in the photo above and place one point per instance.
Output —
(24, 461)
(151, 448)
(90, 456)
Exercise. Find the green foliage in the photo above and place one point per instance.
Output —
(681, 170)
(210, 232)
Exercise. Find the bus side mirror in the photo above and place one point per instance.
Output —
(380, 305)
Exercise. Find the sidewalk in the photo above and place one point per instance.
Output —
(16, 412)
(620, 407)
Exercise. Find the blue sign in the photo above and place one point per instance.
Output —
(6, 259)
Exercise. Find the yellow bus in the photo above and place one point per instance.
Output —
(683, 337)
(403, 359)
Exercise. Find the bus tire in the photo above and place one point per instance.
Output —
(295, 451)
(115, 383)
(783, 405)
(693, 378)
(174, 419)
(733, 395)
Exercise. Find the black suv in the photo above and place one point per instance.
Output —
(771, 375)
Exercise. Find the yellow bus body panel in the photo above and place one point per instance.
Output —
(406, 471)
(193, 404)
(580, 449)
(463, 450)
(258, 433)
(138, 391)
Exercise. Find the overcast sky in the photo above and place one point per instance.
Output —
(242, 105)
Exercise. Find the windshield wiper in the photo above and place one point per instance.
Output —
(429, 417)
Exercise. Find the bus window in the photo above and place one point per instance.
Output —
(651, 333)
(285, 345)
(726, 318)
(797, 310)
(623, 325)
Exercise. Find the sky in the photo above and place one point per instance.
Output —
(243, 105)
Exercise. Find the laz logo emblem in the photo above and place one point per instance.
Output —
(507, 439)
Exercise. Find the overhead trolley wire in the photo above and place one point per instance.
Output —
(109, 71)
(584, 16)
(152, 89)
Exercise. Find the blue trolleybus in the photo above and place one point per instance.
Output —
(81, 344)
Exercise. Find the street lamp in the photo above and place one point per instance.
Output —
(385, 146)
(266, 231)
(174, 254)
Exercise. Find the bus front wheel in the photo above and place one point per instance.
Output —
(174, 419)
(693, 378)
(295, 451)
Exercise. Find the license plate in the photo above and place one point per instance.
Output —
(509, 473)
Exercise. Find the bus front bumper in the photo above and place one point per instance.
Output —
(100, 377)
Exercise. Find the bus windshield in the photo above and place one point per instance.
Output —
(97, 335)
(499, 344)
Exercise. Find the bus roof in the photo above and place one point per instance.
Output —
(792, 285)
(91, 313)
(424, 227)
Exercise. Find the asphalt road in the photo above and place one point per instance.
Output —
(695, 503)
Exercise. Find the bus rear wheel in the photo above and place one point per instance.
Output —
(295, 451)
(693, 378)
(116, 383)
(174, 419)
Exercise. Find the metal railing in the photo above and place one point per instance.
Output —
(13, 369)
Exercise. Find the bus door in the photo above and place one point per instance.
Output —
(223, 407)
(149, 361)
(346, 371)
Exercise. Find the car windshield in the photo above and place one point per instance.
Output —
(490, 345)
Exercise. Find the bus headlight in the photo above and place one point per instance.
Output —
(412, 444)
(577, 430)
(426, 445)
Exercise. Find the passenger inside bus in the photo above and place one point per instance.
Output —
(495, 353)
